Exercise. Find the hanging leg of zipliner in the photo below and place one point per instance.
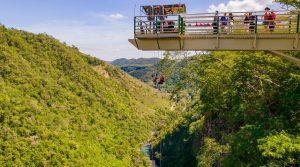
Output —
(287, 57)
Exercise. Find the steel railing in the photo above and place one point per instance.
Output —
(286, 22)
(157, 24)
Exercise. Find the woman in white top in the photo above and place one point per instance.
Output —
(231, 22)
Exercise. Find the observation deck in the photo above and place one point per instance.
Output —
(211, 32)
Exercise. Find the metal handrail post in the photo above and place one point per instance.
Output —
(298, 19)
(290, 24)
(182, 25)
(156, 24)
(134, 21)
(218, 26)
(256, 20)
(179, 24)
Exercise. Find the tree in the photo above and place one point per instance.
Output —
(293, 3)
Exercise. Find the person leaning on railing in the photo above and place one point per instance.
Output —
(171, 26)
(231, 22)
(267, 19)
(140, 23)
(151, 26)
(224, 20)
(252, 20)
(246, 22)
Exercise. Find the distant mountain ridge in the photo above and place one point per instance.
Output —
(139, 61)
(141, 68)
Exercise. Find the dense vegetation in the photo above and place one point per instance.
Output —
(59, 107)
(141, 68)
(243, 109)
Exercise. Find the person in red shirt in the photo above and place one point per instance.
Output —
(161, 81)
(267, 19)
(273, 15)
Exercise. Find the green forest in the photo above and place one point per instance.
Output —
(63, 108)
(59, 107)
(241, 109)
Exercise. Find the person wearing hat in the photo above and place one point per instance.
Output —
(266, 18)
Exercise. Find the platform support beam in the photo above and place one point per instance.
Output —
(291, 59)
(296, 42)
(254, 42)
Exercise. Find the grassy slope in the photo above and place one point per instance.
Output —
(56, 110)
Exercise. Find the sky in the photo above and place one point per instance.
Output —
(101, 28)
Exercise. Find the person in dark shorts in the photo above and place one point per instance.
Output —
(252, 22)
(171, 26)
(161, 82)
(272, 18)
(266, 18)
(216, 22)
(154, 80)
(246, 22)
(231, 22)
(224, 22)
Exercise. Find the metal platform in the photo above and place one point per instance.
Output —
(279, 42)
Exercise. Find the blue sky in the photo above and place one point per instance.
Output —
(100, 27)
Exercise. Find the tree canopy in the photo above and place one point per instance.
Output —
(294, 3)
(242, 109)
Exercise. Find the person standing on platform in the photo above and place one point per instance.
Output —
(267, 20)
(215, 23)
(224, 21)
(231, 22)
(252, 22)
(246, 22)
(272, 18)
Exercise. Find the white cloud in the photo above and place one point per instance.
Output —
(117, 16)
(109, 17)
(240, 5)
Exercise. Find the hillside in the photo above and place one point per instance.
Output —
(141, 68)
(59, 107)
